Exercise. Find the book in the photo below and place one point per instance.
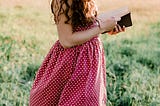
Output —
(124, 14)
(125, 20)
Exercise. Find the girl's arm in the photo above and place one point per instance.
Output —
(69, 39)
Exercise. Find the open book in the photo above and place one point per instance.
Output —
(125, 15)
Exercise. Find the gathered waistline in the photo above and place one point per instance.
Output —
(77, 46)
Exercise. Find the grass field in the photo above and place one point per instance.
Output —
(133, 66)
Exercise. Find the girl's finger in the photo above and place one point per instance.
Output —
(116, 29)
(123, 28)
(119, 27)
(112, 32)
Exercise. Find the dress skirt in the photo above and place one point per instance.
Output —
(71, 77)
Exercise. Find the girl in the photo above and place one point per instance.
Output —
(73, 73)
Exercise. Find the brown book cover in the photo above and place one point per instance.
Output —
(125, 20)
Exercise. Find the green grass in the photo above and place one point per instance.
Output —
(132, 58)
(133, 70)
(22, 50)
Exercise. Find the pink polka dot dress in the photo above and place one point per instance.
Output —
(74, 76)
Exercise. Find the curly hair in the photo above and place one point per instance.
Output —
(78, 12)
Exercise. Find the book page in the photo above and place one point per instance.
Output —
(118, 12)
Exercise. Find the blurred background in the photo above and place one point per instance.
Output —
(27, 32)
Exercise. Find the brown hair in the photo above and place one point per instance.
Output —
(78, 13)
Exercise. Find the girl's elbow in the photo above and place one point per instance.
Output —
(66, 44)
(69, 41)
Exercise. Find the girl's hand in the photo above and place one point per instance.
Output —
(117, 29)
(107, 23)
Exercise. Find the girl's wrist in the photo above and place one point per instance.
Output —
(99, 24)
